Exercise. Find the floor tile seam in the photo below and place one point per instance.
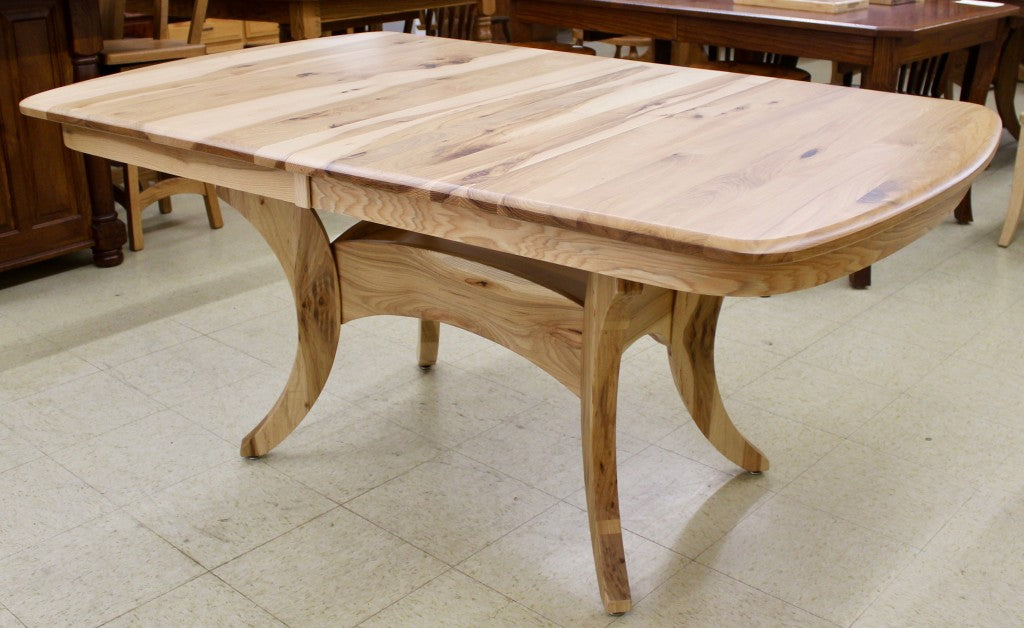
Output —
(967, 485)
(631, 531)
(905, 396)
(16, 618)
(348, 506)
(860, 526)
(346, 502)
(298, 481)
(767, 593)
(952, 515)
(394, 602)
(249, 599)
(738, 397)
(143, 492)
(396, 536)
(459, 566)
(162, 408)
(121, 379)
(255, 548)
(619, 459)
(849, 376)
(51, 385)
(512, 531)
(224, 562)
(1019, 372)
(116, 510)
(150, 599)
(40, 452)
(893, 580)
(508, 475)
(450, 569)
(152, 316)
(511, 600)
(454, 364)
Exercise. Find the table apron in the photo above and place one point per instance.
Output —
(641, 23)
(950, 40)
(785, 40)
(699, 271)
(706, 272)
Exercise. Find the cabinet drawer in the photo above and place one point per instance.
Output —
(215, 31)
(255, 30)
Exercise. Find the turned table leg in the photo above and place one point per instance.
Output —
(301, 245)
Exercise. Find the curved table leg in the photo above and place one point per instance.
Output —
(691, 356)
(605, 326)
(300, 243)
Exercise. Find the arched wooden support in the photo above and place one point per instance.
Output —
(572, 324)
(606, 325)
(430, 336)
(300, 243)
(691, 357)
(383, 270)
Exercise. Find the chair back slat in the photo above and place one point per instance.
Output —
(195, 31)
(112, 18)
(457, 21)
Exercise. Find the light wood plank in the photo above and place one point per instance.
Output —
(675, 158)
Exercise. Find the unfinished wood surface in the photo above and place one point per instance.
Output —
(382, 274)
(746, 170)
(605, 325)
(428, 344)
(222, 171)
(297, 238)
(694, 271)
(1013, 211)
(691, 353)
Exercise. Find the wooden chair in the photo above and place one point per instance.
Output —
(632, 45)
(456, 21)
(751, 62)
(139, 188)
(1016, 200)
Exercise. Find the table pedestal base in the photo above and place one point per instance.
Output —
(573, 324)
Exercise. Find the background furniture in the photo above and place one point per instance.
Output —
(52, 201)
(1016, 206)
(222, 35)
(879, 40)
(140, 189)
(304, 19)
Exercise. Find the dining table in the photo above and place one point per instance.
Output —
(560, 205)
(880, 41)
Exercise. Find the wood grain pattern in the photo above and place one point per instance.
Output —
(633, 152)
(428, 344)
(1016, 205)
(605, 325)
(298, 240)
(381, 274)
(691, 352)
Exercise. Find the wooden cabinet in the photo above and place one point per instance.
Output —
(47, 192)
(220, 35)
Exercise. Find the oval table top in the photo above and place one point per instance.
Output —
(737, 167)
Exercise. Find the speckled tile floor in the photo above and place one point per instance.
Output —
(892, 418)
